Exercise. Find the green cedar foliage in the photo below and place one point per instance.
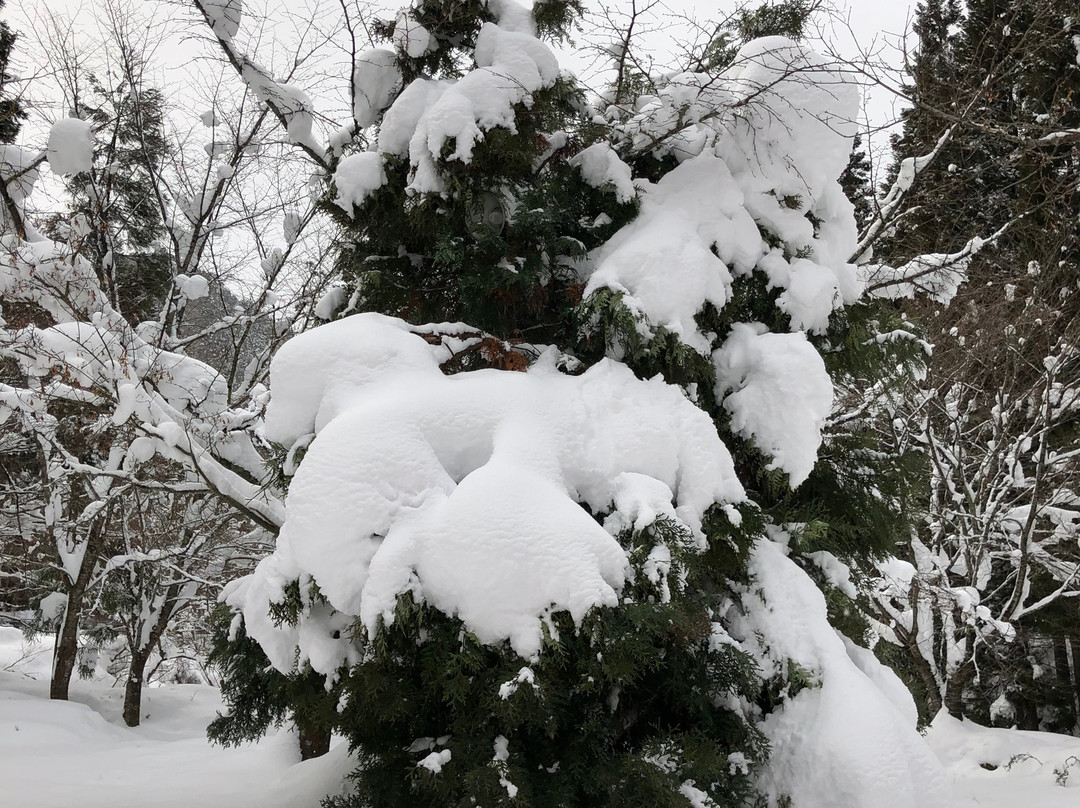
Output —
(585, 724)
(258, 696)
(856, 183)
(126, 240)
(635, 701)
(12, 113)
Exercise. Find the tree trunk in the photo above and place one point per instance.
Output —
(954, 695)
(954, 688)
(67, 647)
(67, 639)
(1074, 681)
(133, 689)
(140, 656)
(314, 741)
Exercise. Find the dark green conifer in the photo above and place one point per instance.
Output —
(12, 112)
(635, 701)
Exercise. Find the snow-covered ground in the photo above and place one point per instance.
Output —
(1008, 768)
(57, 754)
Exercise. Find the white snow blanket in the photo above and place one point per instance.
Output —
(464, 490)
(849, 740)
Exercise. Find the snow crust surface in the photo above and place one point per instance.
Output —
(57, 754)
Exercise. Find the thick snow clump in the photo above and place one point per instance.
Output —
(357, 176)
(464, 490)
(511, 66)
(760, 150)
(778, 392)
(71, 146)
(376, 79)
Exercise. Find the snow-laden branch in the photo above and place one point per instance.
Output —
(937, 275)
(290, 105)
(890, 206)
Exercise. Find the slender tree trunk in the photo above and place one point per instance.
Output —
(1064, 676)
(1074, 681)
(926, 675)
(954, 689)
(140, 656)
(67, 645)
(920, 662)
(67, 638)
(133, 689)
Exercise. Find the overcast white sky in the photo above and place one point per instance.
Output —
(873, 26)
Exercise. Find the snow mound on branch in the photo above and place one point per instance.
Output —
(293, 104)
(664, 263)
(849, 738)
(466, 490)
(412, 38)
(400, 121)
(513, 16)
(71, 147)
(15, 160)
(760, 150)
(376, 78)
(939, 276)
(78, 360)
(778, 392)
(800, 112)
(511, 66)
(192, 287)
(600, 166)
(357, 177)
(43, 272)
(224, 17)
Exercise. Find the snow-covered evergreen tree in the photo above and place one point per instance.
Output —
(558, 460)
(12, 112)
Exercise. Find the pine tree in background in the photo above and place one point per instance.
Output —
(12, 113)
(857, 185)
(684, 260)
(123, 236)
(1003, 76)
